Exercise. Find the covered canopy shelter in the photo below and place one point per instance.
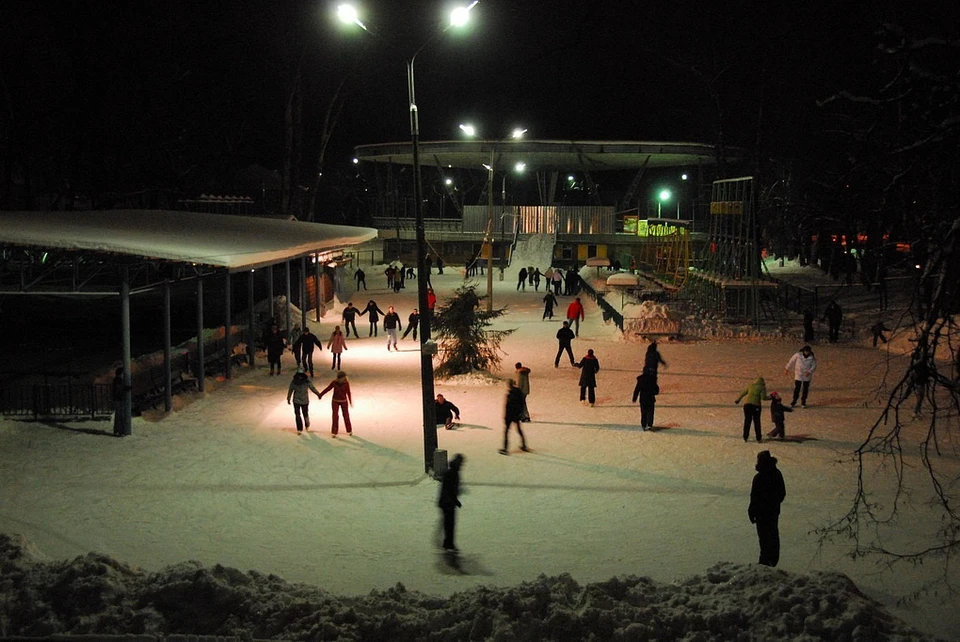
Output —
(122, 252)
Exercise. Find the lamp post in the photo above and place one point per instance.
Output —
(458, 17)
(471, 131)
(663, 196)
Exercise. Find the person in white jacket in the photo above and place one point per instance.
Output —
(803, 364)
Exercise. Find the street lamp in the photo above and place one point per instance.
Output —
(428, 348)
(516, 134)
(663, 196)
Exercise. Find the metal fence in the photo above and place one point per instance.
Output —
(39, 400)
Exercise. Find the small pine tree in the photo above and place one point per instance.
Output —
(462, 330)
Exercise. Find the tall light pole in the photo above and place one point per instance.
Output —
(428, 348)
(662, 196)
(516, 134)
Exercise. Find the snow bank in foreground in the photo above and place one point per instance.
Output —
(94, 594)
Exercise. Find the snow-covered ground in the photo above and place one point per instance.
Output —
(226, 480)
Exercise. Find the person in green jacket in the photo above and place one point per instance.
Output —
(754, 393)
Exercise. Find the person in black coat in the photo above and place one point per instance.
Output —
(646, 391)
(808, 326)
(652, 359)
(350, 320)
(549, 301)
(589, 367)
(445, 412)
(766, 495)
(449, 501)
(522, 279)
(513, 414)
(833, 315)
(374, 311)
(303, 349)
(412, 322)
(275, 343)
(777, 415)
(361, 278)
(564, 336)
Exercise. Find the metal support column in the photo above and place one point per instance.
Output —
(316, 282)
(199, 372)
(251, 322)
(125, 420)
(303, 294)
(289, 315)
(167, 369)
(227, 304)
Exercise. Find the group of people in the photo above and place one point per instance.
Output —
(392, 323)
(802, 365)
(303, 347)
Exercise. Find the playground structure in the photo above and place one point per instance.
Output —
(728, 282)
(665, 250)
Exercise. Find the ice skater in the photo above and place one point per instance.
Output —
(549, 302)
(589, 367)
(275, 342)
(646, 391)
(575, 314)
(878, 330)
(391, 323)
(564, 338)
(522, 279)
(340, 398)
(523, 383)
(336, 345)
(375, 312)
(833, 315)
(445, 412)
(299, 391)
(652, 359)
(754, 394)
(361, 278)
(449, 501)
(303, 349)
(412, 322)
(803, 364)
(777, 410)
(766, 494)
(349, 318)
(513, 414)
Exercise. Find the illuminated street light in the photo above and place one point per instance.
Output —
(428, 347)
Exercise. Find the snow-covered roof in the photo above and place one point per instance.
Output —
(218, 240)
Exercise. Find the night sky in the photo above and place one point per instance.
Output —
(183, 93)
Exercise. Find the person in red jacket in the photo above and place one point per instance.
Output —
(341, 397)
(575, 314)
(431, 302)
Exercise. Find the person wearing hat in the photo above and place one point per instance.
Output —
(803, 364)
(754, 393)
(299, 390)
(589, 367)
(766, 495)
(449, 501)
(777, 410)
(646, 391)
(341, 397)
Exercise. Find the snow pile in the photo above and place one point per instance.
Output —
(536, 250)
(95, 594)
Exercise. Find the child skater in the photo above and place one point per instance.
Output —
(776, 415)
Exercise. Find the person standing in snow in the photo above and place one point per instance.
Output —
(522, 279)
(449, 501)
(361, 278)
(878, 329)
(445, 412)
(412, 322)
(513, 414)
(431, 302)
(755, 394)
(336, 345)
(303, 349)
(777, 410)
(652, 359)
(275, 342)
(299, 390)
(374, 311)
(536, 279)
(808, 319)
(646, 391)
(766, 494)
(119, 392)
(440, 265)
(349, 319)
(523, 383)
(564, 338)
(575, 314)
(833, 315)
(549, 301)
(803, 364)
(571, 283)
(557, 281)
(391, 323)
(339, 399)
(589, 367)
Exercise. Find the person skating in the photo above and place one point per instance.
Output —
(336, 345)
(523, 383)
(361, 278)
(303, 349)
(646, 391)
(536, 279)
(349, 318)
(391, 323)
(754, 393)
(431, 302)
(339, 401)
(878, 330)
(413, 321)
(375, 312)
(299, 391)
(275, 343)
(833, 315)
(564, 338)
(575, 314)
(803, 364)
(513, 414)
(652, 359)
(557, 281)
(449, 501)
(549, 302)
(766, 494)
(522, 279)
(440, 265)
(777, 410)
(589, 367)
(445, 412)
